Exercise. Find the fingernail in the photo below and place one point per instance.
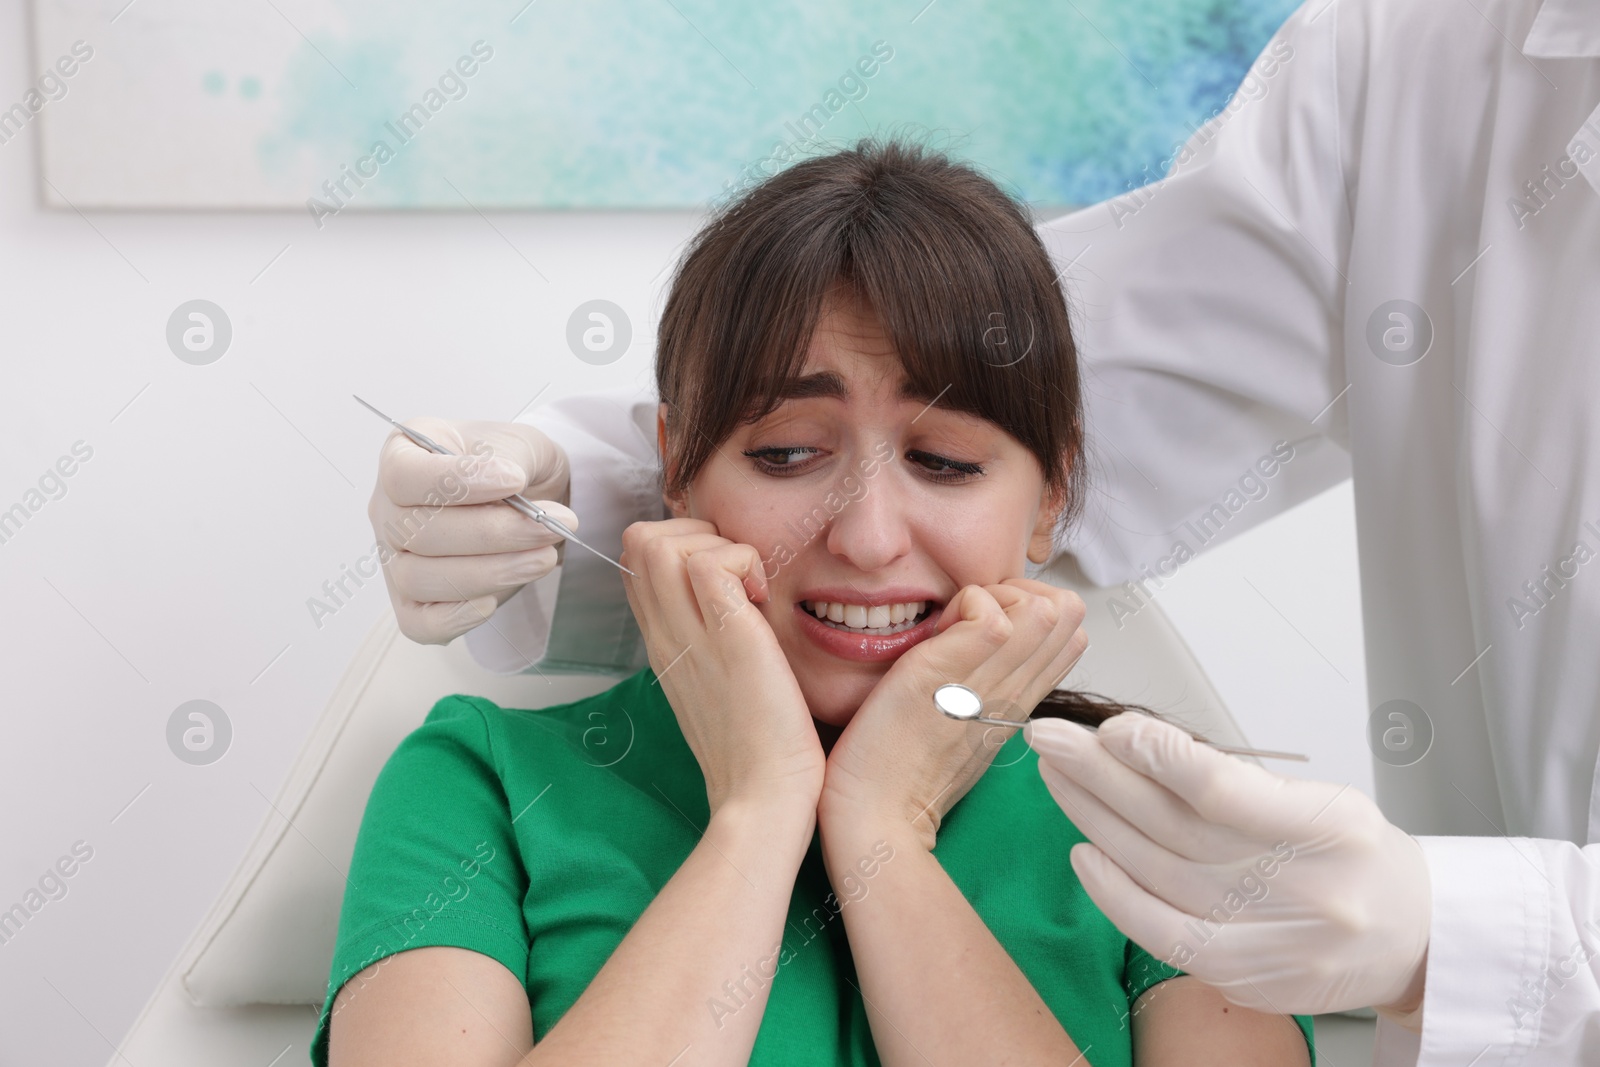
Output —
(1056, 738)
(561, 514)
(1085, 860)
(1135, 739)
(1128, 728)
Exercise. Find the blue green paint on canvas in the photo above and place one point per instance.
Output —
(657, 104)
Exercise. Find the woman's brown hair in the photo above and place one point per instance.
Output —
(952, 268)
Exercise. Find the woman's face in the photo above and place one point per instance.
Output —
(870, 502)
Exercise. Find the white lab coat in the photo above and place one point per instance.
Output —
(1444, 153)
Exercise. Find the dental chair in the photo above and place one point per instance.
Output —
(248, 987)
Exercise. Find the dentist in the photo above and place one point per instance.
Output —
(1386, 251)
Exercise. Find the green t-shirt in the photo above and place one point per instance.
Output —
(538, 838)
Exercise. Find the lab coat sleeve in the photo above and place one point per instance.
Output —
(577, 619)
(1513, 955)
(1208, 313)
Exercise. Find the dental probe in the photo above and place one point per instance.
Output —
(959, 702)
(517, 500)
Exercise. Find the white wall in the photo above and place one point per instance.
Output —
(219, 498)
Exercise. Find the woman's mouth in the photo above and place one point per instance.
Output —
(867, 633)
(858, 618)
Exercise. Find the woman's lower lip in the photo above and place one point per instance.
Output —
(864, 648)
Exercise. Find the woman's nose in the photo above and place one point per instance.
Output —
(873, 529)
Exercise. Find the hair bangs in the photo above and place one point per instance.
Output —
(947, 262)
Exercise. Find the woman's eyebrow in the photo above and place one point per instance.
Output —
(829, 384)
(823, 383)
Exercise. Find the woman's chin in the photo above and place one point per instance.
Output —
(834, 690)
(838, 705)
(835, 716)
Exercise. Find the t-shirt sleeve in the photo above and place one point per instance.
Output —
(1142, 972)
(435, 861)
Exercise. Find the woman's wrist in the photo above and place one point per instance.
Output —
(790, 795)
(848, 824)
(772, 819)
(786, 789)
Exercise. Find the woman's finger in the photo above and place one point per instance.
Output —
(719, 577)
(1042, 626)
(1049, 626)
(971, 630)
(1060, 665)
(654, 551)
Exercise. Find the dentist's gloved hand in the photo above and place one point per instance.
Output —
(451, 554)
(1287, 896)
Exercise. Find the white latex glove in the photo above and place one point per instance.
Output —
(1287, 896)
(454, 553)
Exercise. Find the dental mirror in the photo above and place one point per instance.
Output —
(958, 702)
(964, 705)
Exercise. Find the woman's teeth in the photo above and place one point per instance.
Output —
(878, 619)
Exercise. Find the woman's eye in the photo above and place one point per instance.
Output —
(780, 460)
(943, 469)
